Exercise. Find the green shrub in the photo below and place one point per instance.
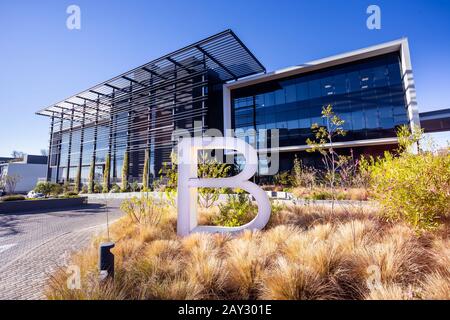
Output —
(326, 195)
(14, 197)
(135, 187)
(321, 195)
(70, 194)
(106, 174)
(276, 207)
(210, 168)
(48, 188)
(304, 176)
(284, 179)
(236, 211)
(168, 180)
(91, 177)
(84, 189)
(67, 187)
(115, 188)
(143, 210)
(98, 187)
(411, 187)
(207, 168)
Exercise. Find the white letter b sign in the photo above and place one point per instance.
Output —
(188, 182)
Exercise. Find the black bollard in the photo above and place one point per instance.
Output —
(106, 261)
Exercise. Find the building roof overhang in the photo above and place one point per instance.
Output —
(365, 53)
(224, 53)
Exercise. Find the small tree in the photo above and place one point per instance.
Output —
(407, 138)
(125, 172)
(145, 173)
(134, 186)
(348, 172)
(143, 210)
(18, 155)
(210, 168)
(91, 177)
(10, 182)
(169, 179)
(207, 168)
(323, 143)
(106, 174)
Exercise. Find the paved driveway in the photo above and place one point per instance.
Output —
(32, 245)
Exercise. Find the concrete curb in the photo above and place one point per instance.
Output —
(41, 204)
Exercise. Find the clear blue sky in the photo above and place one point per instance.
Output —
(42, 62)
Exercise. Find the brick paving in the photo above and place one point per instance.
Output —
(34, 245)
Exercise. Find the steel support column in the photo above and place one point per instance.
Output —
(80, 158)
(49, 169)
(70, 147)
(94, 154)
(110, 141)
(129, 130)
(58, 162)
(203, 94)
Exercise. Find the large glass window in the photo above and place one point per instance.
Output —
(64, 152)
(302, 90)
(368, 95)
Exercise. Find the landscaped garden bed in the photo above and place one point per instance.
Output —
(395, 247)
(305, 252)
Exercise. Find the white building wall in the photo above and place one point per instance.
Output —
(28, 173)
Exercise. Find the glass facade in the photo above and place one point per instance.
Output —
(368, 95)
(138, 111)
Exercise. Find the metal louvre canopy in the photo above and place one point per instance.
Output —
(223, 53)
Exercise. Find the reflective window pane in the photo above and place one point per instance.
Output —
(368, 95)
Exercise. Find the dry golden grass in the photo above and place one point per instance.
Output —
(305, 252)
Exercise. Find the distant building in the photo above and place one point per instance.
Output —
(5, 159)
(435, 121)
(29, 170)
